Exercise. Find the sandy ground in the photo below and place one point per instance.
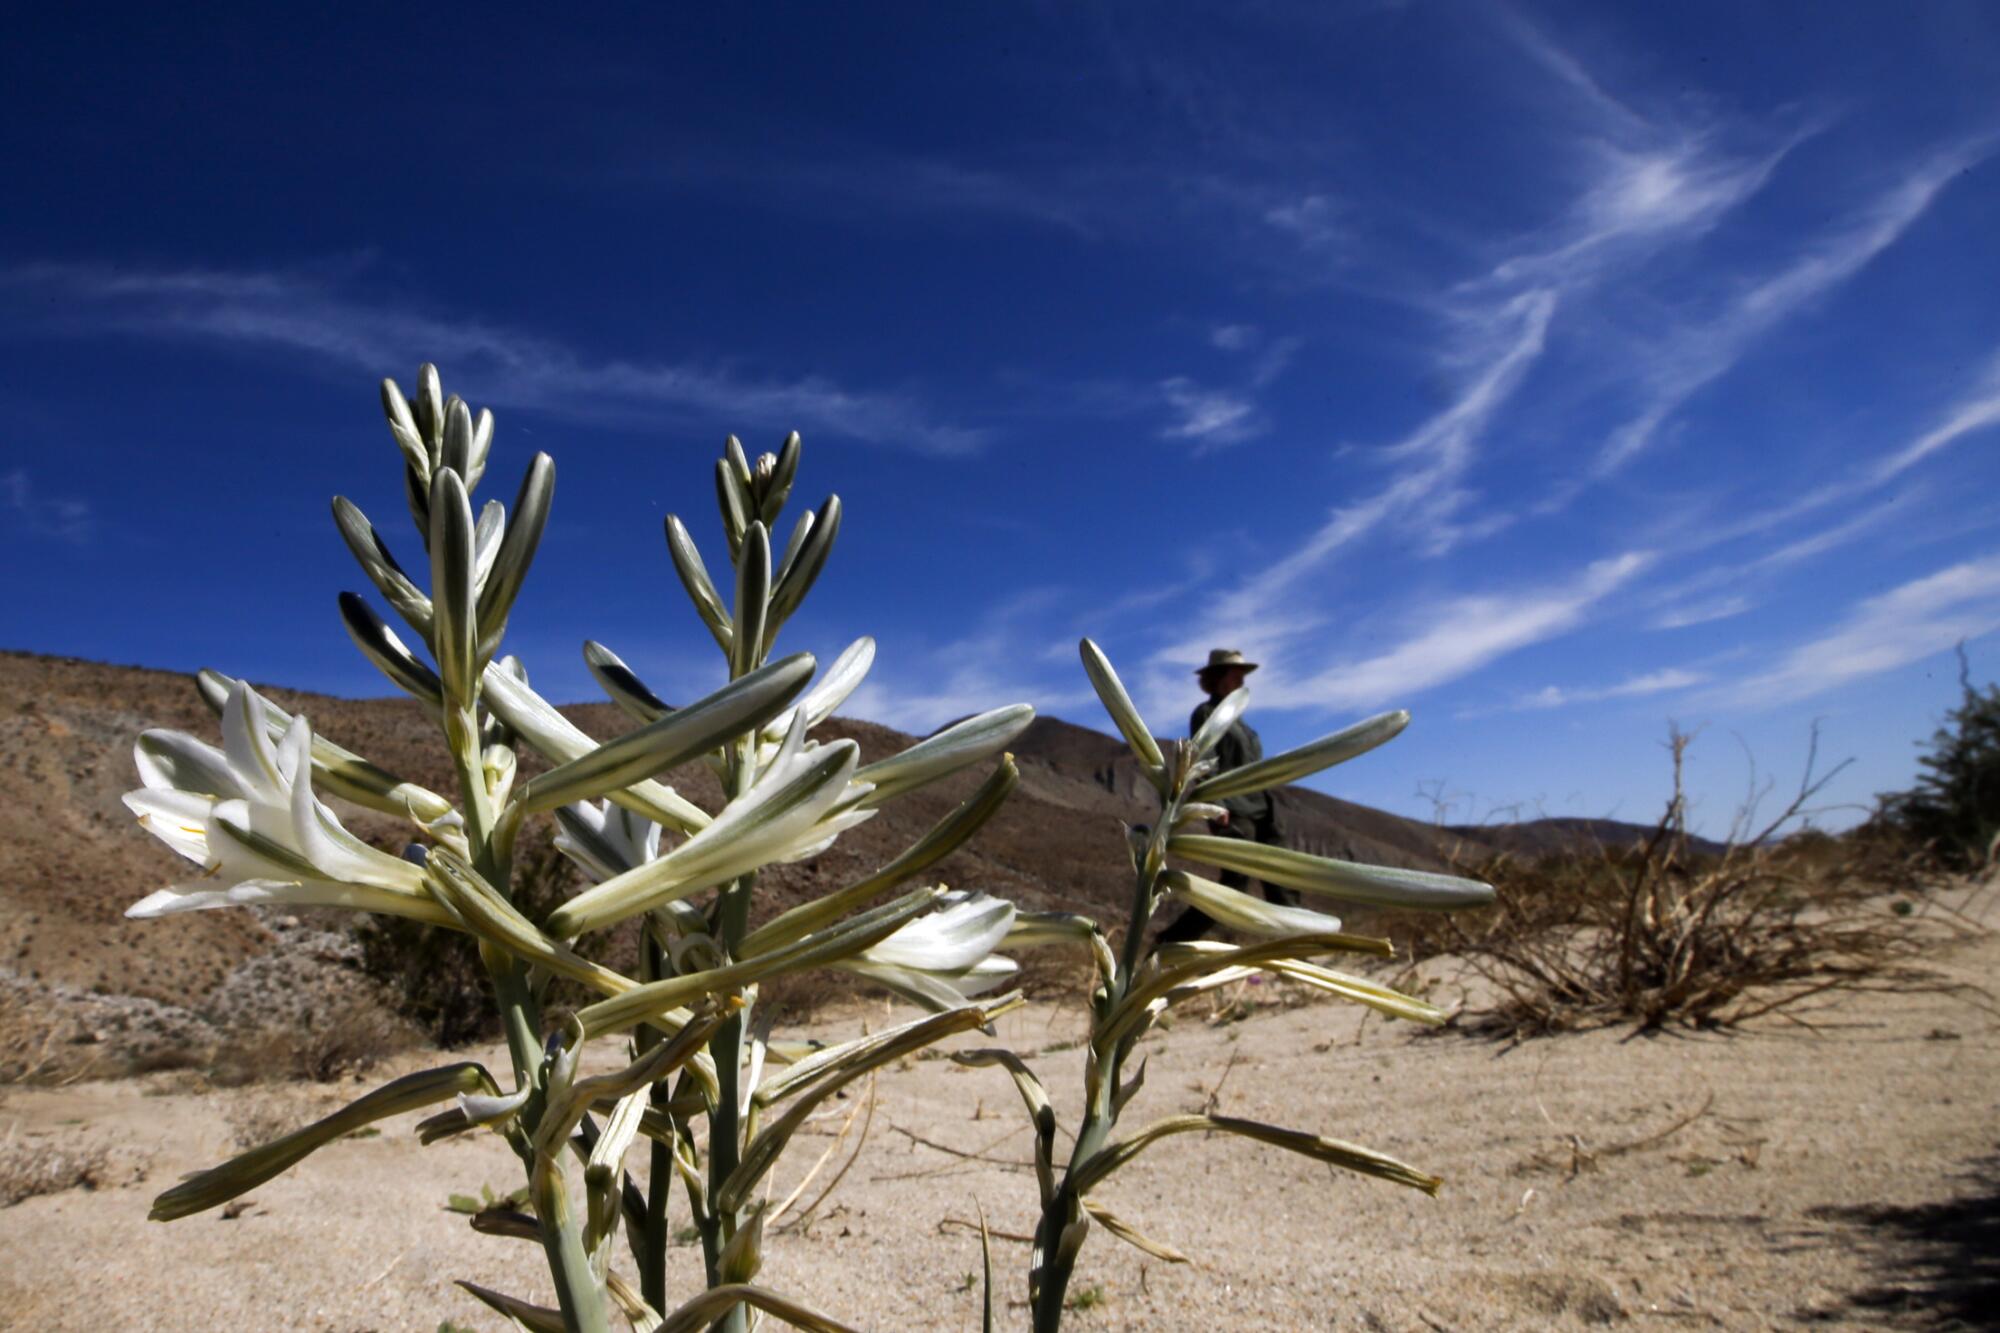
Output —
(1845, 1178)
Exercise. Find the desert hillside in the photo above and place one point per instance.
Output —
(72, 859)
(142, 994)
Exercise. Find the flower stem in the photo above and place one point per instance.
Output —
(577, 1291)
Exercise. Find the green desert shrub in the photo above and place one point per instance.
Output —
(1953, 810)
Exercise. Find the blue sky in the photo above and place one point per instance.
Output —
(1551, 370)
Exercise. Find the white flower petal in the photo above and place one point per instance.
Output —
(951, 939)
(176, 761)
(177, 818)
(246, 740)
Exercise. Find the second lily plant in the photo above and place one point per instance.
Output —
(713, 1099)
(1135, 985)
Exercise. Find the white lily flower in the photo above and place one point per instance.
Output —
(247, 815)
(942, 959)
(481, 1109)
(829, 692)
(793, 810)
(605, 839)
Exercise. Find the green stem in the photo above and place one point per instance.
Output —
(1053, 1272)
(725, 1145)
(660, 1172)
(577, 1291)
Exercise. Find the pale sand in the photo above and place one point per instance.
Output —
(1823, 1184)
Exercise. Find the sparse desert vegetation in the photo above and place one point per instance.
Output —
(1875, 942)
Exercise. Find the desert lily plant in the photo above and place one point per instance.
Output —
(1136, 985)
(700, 1079)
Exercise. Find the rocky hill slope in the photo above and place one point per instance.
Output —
(72, 858)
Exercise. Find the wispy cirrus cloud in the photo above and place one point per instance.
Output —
(52, 518)
(1313, 221)
(1664, 681)
(506, 366)
(1690, 357)
(920, 687)
(1453, 637)
(1975, 412)
(1211, 418)
(865, 183)
(1443, 639)
(1906, 624)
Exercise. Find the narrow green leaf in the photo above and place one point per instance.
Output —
(950, 750)
(379, 644)
(336, 770)
(454, 620)
(763, 1150)
(742, 705)
(554, 736)
(1036, 1098)
(1219, 720)
(1380, 886)
(492, 918)
(1304, 760)
(622, 684)
(403, 425)
(753, 600)
(804, 569)
(944, 838)
(986, 1320)
(457, 452)
(1157, 985)
(734, 502)
(1131, 1235)
(372, 554)
(1349, 1156)
(1111, 693)
(517, 552)
(694, 577)
(523, 1314)
(245, 1172)
(709, 1308)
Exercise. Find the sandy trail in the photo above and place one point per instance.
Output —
(1846, 1178)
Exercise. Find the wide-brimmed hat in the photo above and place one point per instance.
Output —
(1218, 658)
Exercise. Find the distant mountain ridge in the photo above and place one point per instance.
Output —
(72, 858)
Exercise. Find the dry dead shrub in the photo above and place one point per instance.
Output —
(262, 1117)
(32, 1166)
(33, 1048)
(352, 1036)
(1660, 934)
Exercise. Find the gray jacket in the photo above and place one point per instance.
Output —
(1239, 746)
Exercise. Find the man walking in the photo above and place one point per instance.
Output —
(1253, 815)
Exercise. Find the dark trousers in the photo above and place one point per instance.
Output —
(1193, 923)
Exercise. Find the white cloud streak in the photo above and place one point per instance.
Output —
(919, 691)
(506, 366)
(1451, 638)
(1662, 681)
(32, 515)
(1699, 354)
(1971, 414)
(1906, 624)
(1212, 418)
